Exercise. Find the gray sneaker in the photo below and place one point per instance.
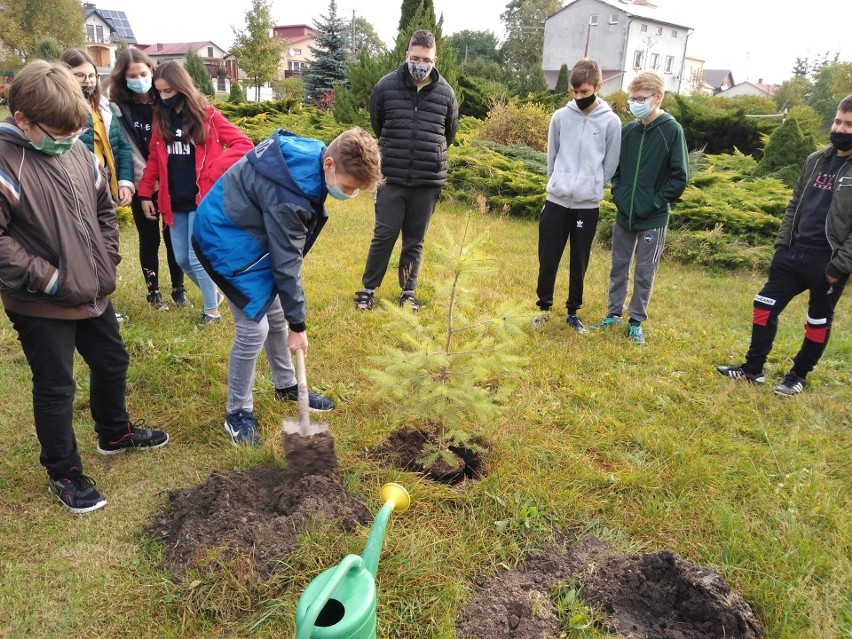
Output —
(574, 322)
(540, 320)
(792, 385)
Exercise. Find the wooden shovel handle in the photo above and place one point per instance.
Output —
(302, 382)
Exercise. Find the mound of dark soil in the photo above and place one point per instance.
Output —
(645, 596)
(406, 447)
(259, 513)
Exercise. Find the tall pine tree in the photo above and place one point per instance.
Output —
(194, 66)
(410, 8)
(328, 68)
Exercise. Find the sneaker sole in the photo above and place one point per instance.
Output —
(78, 511)
(118, 451)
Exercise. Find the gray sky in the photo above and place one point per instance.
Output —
(753, 38)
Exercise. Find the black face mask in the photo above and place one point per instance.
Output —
(841, 141)
(584, 103)
(173, 101)
(87, 91)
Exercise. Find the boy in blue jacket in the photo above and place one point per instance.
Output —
(251, 234)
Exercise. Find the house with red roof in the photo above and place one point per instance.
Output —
(212, 55)
(297, 54)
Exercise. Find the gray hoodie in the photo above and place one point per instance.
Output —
(582, 154)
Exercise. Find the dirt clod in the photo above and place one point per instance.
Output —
(258, 513)
(643, 596)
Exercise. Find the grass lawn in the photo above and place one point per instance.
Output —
(647, 448)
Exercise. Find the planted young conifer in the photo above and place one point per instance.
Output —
(448, 373)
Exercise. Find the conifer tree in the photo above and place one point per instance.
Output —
(236, 96)
(198, 72)
(328, 68)
(562, 85)
(785, 152)
(447, 375)
(410, 8)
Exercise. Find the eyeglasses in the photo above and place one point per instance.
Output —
(66, 137)
(641, 99)
(82, 77)
(416, 60)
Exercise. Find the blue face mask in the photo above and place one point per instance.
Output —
(139, 85)
(336, 192)
(640, 111)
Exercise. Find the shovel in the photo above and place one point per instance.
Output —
(308, 446)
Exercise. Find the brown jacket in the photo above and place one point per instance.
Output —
(56, 214)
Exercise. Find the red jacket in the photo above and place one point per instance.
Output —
(211, 160)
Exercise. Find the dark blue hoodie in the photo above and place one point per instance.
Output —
(253, 228)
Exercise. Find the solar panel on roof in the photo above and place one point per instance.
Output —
(120, 23)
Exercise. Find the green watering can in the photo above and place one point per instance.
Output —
(340, 603)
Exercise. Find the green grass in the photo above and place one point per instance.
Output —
(647, 448)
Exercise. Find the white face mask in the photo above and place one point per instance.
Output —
(640, 111)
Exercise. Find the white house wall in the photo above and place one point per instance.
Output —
(565, 37)
(661, 46)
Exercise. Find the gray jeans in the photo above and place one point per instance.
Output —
(249, 338)
(405, 209)
(646, 246)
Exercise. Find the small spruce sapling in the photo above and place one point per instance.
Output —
(447, 372)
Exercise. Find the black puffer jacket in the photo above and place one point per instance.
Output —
(414, 127)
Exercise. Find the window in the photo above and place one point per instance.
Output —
(90, 32)
(669, 63)
(637, 59)
(655, 60)
(593, 20)
(659, 31)
(295, 65)
(99, 34)
(209, 52)
(674, 33)
(644, 28)
(613, 18)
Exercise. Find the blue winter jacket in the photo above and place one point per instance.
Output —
(253, 228)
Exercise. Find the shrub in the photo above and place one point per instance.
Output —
(236, 96)
(509, 188)
(785, 153)
(510, 123)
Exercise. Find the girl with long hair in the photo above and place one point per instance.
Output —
(131, 93)
(192, 145)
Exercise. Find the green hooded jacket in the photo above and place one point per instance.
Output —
(652, 172)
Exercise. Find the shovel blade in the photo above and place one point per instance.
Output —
(294, 427)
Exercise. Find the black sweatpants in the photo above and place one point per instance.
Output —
(49, 345)
(149, 248)
(792, 271)
(405, 209)
(556, 227)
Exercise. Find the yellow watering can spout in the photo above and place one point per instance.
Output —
(396, 499)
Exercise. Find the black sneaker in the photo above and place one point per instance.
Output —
(737, 372)
(407, 297)
(316, 403)
(179, 297)
(576, 323)
(156, 300)
(792, 385)
(77, 493)
(135, 437)
(364, 301)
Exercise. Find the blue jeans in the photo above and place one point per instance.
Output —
(249, 338)
(185, 257)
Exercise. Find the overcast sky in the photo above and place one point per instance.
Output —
(753, 38)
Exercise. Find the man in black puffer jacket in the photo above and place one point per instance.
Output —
(414, 113)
